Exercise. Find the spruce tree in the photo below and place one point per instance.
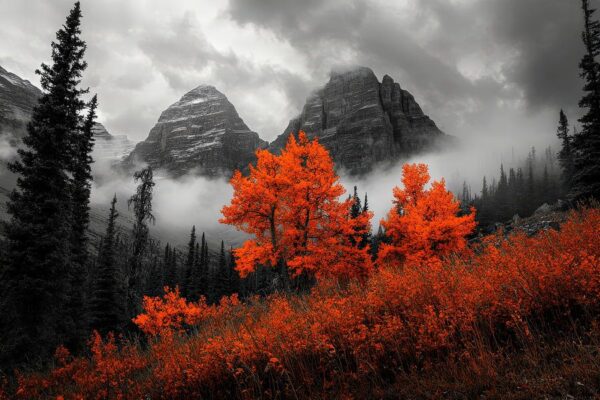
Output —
(234, 276)
(199, 274)
(356, 208)
(565, 155)
(207, 286)
(170, 275)
(222, 278)
(81, 189)
(189, 263)
(142, 209)
(502, 197)
(586, 162)
(106, 305)
(36, 273)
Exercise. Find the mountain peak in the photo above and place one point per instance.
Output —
(8, 78)
(203, 132)
(354, 70)
(363, 122)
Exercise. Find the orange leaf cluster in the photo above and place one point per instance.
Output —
(297, 346)
(424, 224)
(169, 314)
(289, 203)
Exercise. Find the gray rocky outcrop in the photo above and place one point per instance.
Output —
(364, 122)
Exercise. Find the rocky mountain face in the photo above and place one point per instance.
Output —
(112, 148)
(201, 132)
(364, 122)
(17, 99)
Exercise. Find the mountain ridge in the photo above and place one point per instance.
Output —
(363, 122)
(202, 131)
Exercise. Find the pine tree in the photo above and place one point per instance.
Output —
(169, 270)
(502, 197)
(222, 280)
(565, 156)
(189, 263)
(586, 163)
(531, 200)
(208, 276)
(106, 305)
(155, 281)
(81, 189)
(234, 277)
(36, 272)
(356, 208)
(199, 273)
(142, 209)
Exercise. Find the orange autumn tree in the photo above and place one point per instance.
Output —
(424, 224)
(290, 204)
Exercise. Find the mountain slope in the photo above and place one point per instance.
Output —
(363, 122)
(112, 148)
(202, 132)
(17, 99)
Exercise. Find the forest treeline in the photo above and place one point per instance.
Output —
(57, 287)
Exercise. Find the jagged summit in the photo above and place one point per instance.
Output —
(202, 132)
(364, 122)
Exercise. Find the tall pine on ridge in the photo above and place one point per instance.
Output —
(36, 276)
(586, 166)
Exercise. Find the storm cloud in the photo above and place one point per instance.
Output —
(468, 62)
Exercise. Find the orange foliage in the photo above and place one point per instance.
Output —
(317, 345)
(423, 226)
(169, 314)
(289, 203)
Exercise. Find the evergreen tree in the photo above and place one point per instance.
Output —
(208, 275)
(81, 189)
(222, 280)
(36, 273)
(565, 156)
(356, 208)
(155, 281)
(530, 184)
(189, 263)
(521, 198)
(174, 267)
(142, 209)
(234, 277)
(586, 162)
(169, 270)
(106, 305)
(199, 278)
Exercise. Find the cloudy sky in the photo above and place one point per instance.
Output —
(484, 67)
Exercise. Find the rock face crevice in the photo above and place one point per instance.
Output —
(201, 132)
(364, 122)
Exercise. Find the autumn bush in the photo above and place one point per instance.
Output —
(331, 343)
(423, 225)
